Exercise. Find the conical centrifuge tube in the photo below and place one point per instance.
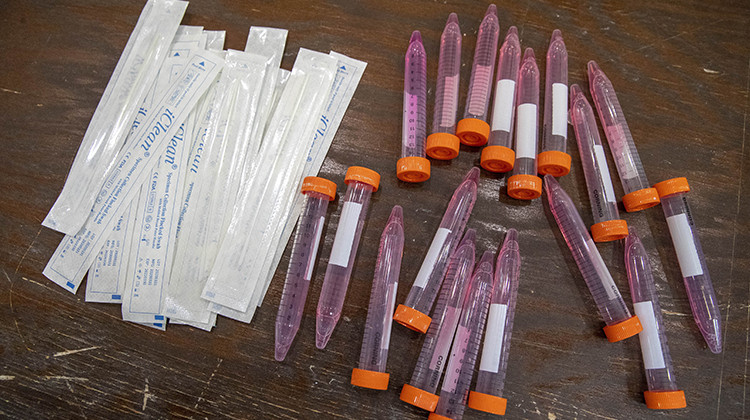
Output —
(413, 165)
(554, 158)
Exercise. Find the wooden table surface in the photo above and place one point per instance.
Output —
(682, 71)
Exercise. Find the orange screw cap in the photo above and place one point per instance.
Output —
(665, 400)
(498, 159)
(413, 169)
(524, 187)
(370, 379)
(419, 398)
(473, 132)
(487, 403)
(319, 185)
(609, 230)
(672, 186)
(622, 330)
(641, 199)
(435, 416)
(443, 146)
(362, 174)
(553, 162)
(412, 318)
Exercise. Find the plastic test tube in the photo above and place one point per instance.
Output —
(443, 144)
(420, 391)
(413, 313)
(700, 290)
(607, 223)
(361, 183)
(465, 349)
(612, 309)
(473, 129)
(319, 192)
(413, 165)
(523, 184)
(374, 354)
(662, 390)
(488, 393)
(499, 156)
(554, 159)
(639, 194)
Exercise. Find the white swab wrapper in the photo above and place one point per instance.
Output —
(76, 253)
(133, 76)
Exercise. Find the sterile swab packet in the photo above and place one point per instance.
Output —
(134, 74)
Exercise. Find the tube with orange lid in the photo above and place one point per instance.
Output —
(554, 158)
(662, 390)
(443, 144)
(473, 129)
(607, 223)
(700, 289)
(413, 165)
(523, 183)
(639, 194)
(372, 359)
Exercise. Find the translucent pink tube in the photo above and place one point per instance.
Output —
(443, 143)
(413, 166)
(662, 389)
(554, 159)
(473, 129)
(374, 354)
(488, 392)
(465, 349)
(413, 313)
(362, 182)
(319, 192)
(420, 391)
(498, 156)
(523, 183)
(612, 309)
(638, 192)
(700, 289)
(607, 223)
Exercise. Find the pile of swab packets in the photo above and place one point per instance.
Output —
(185, 189)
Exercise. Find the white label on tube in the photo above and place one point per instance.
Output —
(445, 336)
(682, 238)
(560, 109)
(502, 110)
(386, 340)
(526, 135)
(314, 253)
(450, 98)
(601, 163)
(344, 240)
(653, 358)
(493, 339)
(432, 255)
(458, 351)
(601, 269)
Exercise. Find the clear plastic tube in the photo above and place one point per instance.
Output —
(413, 312)
(413, 166)
(554, 159)
(638, 192)
(612, 309)
(465, 349)
(362, 182)
(488, 392)
(377, 336)
(698, 285)
(607, 223)
(318, 193)
(523, 183)
(662, 389)
(442, 143)
(473, 129)
(420, 391)
(499, 156)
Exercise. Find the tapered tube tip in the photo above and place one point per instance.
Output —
(632, 239)
(415, 37)
(576, 94)
(714, 344)
(452, 18)
(281, 351)
(397, 215)
(593, 69)
(556, 35)
(323, 330)
(491, 10)
(550, 186)
(485, 264)
(472, 175)
(512, 31)
(511, 236)
(469, 236)
(528, 54)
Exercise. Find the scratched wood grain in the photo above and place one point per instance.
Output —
(682, 70)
